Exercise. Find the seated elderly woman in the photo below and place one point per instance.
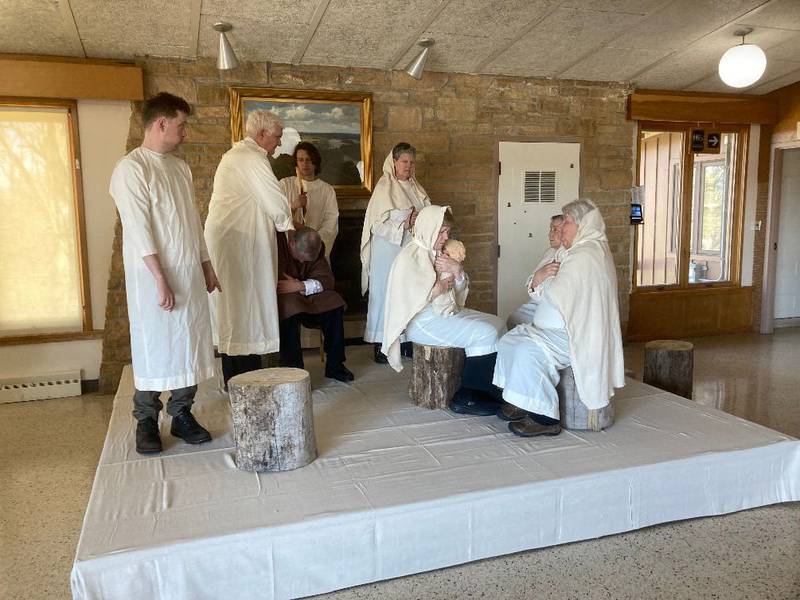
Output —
(414, 283)
(524, 314)
(576, 323)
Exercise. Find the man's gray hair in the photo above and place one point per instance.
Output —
(307, 241)
(577, 209)
(262, 119)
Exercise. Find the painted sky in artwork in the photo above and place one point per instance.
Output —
(313, 117)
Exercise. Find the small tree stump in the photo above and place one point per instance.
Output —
(574, 413)
(435, 375)
(273, 422)
(669, 365)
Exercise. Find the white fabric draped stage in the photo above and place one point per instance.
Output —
(398, 490)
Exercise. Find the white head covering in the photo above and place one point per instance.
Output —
(410, 281)
(388, 195)
(585, 293)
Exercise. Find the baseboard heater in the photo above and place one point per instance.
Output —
(40, 387)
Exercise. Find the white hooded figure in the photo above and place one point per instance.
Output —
(575, 323)
(390, 215)
(413, 287)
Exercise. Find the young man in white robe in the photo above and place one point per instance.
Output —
(392, 210)
(167, 275)
(576, 323)
(247, 207)
(321, 211)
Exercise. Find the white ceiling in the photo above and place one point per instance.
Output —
(661, 44)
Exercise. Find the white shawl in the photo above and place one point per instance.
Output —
(411, 280)
(388, 195)
(585, 293)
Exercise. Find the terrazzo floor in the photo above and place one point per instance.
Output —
(49, 450)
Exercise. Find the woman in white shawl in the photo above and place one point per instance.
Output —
(576, 323)
(392, 210)
(524, 314)
(414, 283)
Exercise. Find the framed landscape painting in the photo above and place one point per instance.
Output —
(339, 124)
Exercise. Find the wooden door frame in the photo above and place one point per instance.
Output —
(767, 324)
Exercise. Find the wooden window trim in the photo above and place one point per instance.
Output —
(737, 218)
(87, 330)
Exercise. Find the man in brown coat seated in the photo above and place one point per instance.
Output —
(306, 296)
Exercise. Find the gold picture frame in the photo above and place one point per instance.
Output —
(338, 123)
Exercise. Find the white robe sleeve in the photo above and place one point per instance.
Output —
(269, 196)
(392, 228)
(329, 228)
(132, 197)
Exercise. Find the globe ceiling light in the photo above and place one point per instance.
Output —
(741, 66)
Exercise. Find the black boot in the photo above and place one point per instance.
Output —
(186, 427)
(339, 373)
(380, 357)
(407, 349)
(148, 440)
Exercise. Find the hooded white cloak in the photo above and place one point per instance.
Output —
(247, 206)
(408, 300)
(155, 198)
(382, 237)
(584, 294)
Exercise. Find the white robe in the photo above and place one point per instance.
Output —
(524, 314)
(322, 210)
(247, 206)
(155, 198)
(409, 307)
(580, 328)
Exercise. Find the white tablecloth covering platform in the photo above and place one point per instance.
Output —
(398, 490)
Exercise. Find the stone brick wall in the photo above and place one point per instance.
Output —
(455, 120)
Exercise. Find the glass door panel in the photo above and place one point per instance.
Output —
(658, 240)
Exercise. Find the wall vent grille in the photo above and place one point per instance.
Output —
(540, 186)
(40, 387)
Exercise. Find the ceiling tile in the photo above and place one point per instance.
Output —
(36, 27)
(365, 33)
(612, 64)
(257, 34)
(555, 42)
(128, 29)
(782, 14)
(636, 7)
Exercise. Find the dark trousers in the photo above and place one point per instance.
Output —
(233, 365)
(148, 404)
(332, 325)
(478, 373)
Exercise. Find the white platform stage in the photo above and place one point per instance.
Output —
(398, 490)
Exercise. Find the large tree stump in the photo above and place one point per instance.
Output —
(574, 413)
(273, 422)
(669, 365)
(435, 375)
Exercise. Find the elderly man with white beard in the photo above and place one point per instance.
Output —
(247, 207)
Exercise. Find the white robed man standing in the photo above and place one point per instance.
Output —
(576, 322)
(321, 212)
(167, 274)
(247, 206)
(392, 210)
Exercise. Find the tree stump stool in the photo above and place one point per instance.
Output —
(574, 413)
(435, 375)
(669, 365)
(273, 422)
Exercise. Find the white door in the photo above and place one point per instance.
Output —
(536, 180)
(787, 275)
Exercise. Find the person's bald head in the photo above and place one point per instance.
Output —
(306, 244)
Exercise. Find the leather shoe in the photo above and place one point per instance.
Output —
(466, 402)
(527, 427)
(148, 440)
(380, 357)
(407, 349)
(509, 412)
(339, 373)
(186, 427)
